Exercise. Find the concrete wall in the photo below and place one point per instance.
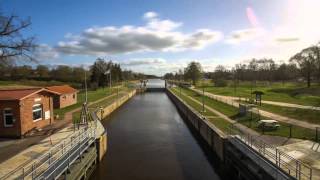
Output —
(211, 134)
(112, 107)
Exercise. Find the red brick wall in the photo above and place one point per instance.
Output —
(27, 122)
(10, 131)
(67, 99)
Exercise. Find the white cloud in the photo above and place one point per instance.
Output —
(150, 15)
(156, 35)
(45, 52)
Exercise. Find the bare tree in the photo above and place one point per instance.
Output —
(306, 62)
(12, 43)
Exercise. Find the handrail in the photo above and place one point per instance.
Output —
(54, 154)
(290, 165)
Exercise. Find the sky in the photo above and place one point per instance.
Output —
(160, 36)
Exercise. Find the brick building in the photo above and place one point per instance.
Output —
(65, 96)
(23, 110)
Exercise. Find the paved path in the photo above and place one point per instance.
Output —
(268, 102)
(274, 140)
(232, 101)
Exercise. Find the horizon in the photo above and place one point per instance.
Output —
(154, 38)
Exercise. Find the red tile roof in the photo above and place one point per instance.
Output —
(64, 89)
(18, 94)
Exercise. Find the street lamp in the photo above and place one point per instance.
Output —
(203, 109)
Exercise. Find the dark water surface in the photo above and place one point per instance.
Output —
(148, 140)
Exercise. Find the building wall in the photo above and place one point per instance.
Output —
(13, 131)
(67, 100)
(27, 122)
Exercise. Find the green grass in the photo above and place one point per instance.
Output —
(104, 103)
(93, 95)
(312, 116)
(226, 109)
(287, 92)
(283, 130)
(220, 123)
(232, 113)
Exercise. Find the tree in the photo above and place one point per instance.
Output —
(193, 72)
(62, 73)
(42, 71)
(21, 72)
(306, 62)
(99, 72)
(12, 44)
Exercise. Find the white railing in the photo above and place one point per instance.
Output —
(50, 164)
(288, 164)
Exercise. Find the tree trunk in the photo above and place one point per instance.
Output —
(309, 79)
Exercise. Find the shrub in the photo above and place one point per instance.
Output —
(220, 83)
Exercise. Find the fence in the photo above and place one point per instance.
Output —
(282, 160)
(53, 163)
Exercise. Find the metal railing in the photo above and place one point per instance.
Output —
(53, 163)
(288, 164)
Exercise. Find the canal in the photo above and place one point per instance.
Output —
(148, 140)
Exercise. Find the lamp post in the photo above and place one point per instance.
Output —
(203, 109)
(180, 83)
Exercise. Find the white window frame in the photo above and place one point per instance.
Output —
(41, 118)
(4, 117)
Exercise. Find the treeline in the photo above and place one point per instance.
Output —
(97, 75)
(304, 66)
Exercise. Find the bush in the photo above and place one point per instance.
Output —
(220, 83)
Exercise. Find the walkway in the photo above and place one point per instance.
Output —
(232, 101)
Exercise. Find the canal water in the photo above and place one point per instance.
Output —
(148, 140)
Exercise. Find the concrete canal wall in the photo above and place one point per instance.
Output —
(84, 166)
(115, 105)
(213, 136)
(235, 157)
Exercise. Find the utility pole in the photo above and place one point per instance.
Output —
(85, 86)
(110, 78)
(203, 109)
(180, 84)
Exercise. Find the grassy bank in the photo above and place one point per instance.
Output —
(312, 116)
(220, 123)
(288, 92)
(104, 103)
(93, 95)
(232, 113)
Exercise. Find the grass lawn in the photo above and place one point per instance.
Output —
(283, 130)
(232, 113)
(212, 117)
(287, 92)
(104, 103)
(312, 116)
(93, 95)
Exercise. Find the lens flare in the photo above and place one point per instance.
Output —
(252, 17)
